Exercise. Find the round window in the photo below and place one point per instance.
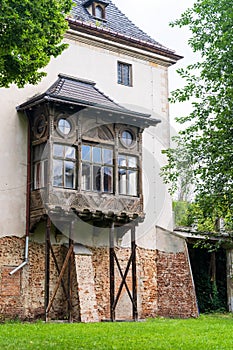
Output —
(64, 126)
(127, 138)
(40, 126)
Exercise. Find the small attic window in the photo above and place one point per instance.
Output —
(98, 10)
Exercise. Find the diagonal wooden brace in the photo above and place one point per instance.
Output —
(60, 277)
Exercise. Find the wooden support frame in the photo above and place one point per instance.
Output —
(113, 261)
(67, 264)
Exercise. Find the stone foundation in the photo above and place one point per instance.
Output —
(164, 284)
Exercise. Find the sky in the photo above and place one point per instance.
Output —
(153, 17)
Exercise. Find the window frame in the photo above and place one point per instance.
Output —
(65, 159)
(102, 7)
(95, 164)
(127, 168)
(122, 79)
(39, 166)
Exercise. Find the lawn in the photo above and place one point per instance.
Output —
(206, 332)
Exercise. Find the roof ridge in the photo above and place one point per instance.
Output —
(71, 77)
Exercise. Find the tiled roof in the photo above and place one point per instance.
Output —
(80, 91)
(116, 22)
(71, 90)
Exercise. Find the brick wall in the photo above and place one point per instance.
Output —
(176, 296)
(163, 281)
(22, 294)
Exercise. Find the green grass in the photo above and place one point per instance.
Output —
(206, 332)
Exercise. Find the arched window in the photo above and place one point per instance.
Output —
(99, 12)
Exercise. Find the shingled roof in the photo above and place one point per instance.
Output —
(115, 23)
(79, 92)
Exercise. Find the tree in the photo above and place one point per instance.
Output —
(208, 133)
(30, 33)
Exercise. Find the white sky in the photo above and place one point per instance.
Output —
(153, 17)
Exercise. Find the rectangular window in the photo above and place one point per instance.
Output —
(40, 173)
(124, 71)
(64, 163)
(128, 175)
(40, 165)
(97, 168)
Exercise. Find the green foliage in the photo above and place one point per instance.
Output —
(207, 332)
(209, 297)
(208, 137)
(183, 213)
(210, 282)
(30, 33)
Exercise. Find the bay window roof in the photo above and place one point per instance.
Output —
(78, 92)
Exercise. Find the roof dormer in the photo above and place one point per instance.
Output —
(97, 9)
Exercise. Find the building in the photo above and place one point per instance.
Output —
(86, 221)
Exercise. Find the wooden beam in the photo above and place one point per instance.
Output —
(47, 264)
(112, 272)
(60, 278)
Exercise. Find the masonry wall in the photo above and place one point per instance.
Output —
(176, 294)
(22, 294)
(164, 284)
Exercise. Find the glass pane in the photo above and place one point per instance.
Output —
(122, 160)
(86, 177)
(70, 152)
(86, 152)
(122, 181)
(58, 150)
(132, 183)
(57, 173)
(64, 126)
(45, 173)
(107, 179)
(98, 12)
(132, 162)
(37, 175)
(96, 178)
(97, 155)
(125, 72)
(39, 152)
(69, 175)
(119, 71)
(107, 156)
(127, 138)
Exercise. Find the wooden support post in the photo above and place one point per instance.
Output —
(134, 273)
(47, 265)
(112, 273)
(69, 300)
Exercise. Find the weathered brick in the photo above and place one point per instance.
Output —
(164, 283)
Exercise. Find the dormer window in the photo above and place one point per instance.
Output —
(99, 12)
(97, 9)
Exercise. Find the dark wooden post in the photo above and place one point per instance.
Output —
(112, 273)
(47, 264)
(71, 243)
(134, 273)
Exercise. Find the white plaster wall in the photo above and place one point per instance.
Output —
(148, 94)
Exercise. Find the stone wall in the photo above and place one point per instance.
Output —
(164, 283)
